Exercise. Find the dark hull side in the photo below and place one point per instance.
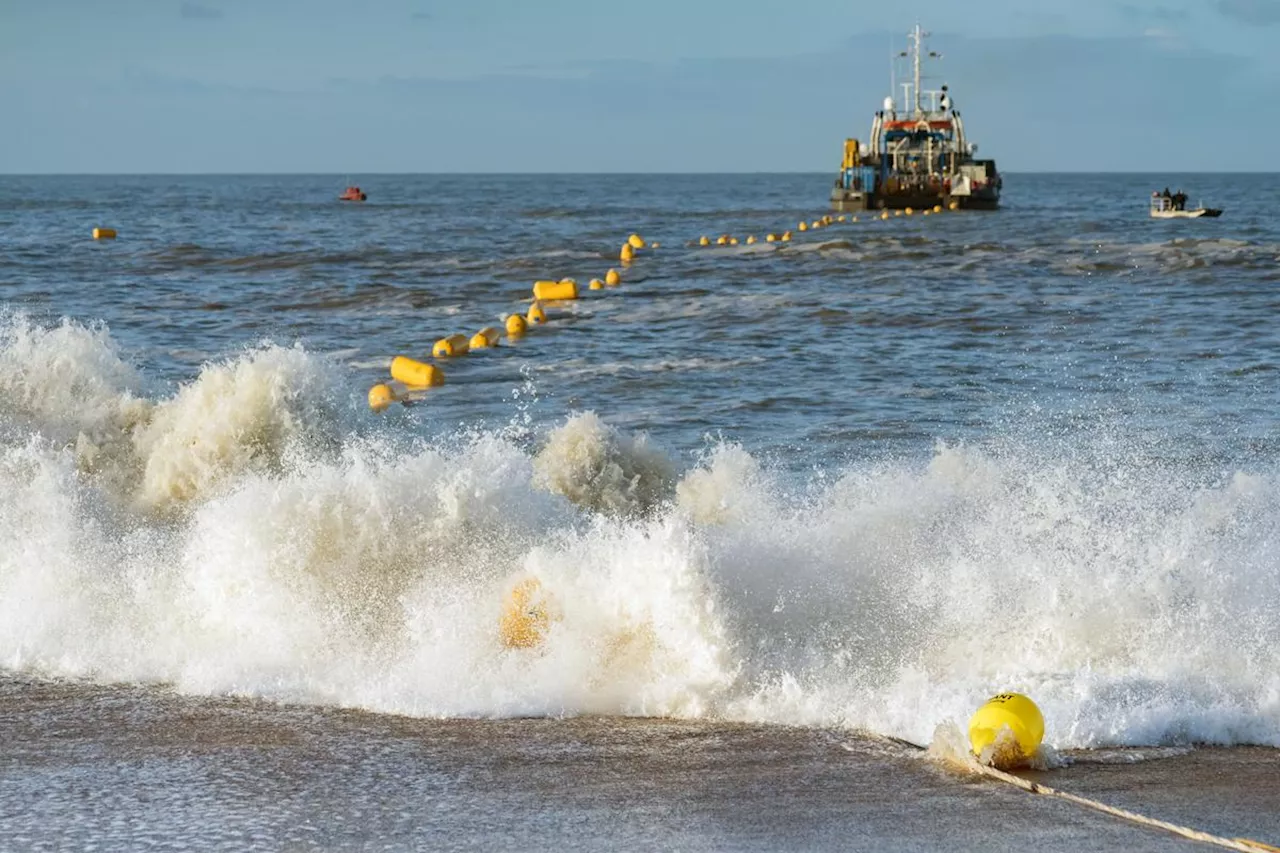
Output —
(847, 201)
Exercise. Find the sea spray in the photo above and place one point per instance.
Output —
(598, 468)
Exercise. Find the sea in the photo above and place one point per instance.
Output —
(794, 509)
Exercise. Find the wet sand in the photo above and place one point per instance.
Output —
(120, 768)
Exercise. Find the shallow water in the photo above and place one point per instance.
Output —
(859, 481)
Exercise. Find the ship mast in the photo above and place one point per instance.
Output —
(915, 60)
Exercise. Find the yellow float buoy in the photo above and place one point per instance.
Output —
(786, 237)
(771, 238)
(627, 253)
(955, 205)
(104, 233)
(537, 314)
(596, 284)
(908, 211)
(414, 373)
(612, 279)
(381, 397)
(854, 219)
(884, 214)
(485, 338)
(803, 226)
(926, 213)
(516, 325)
(524, 619)
(704, 240)
(655, 245)
(751, 238)
(817, 223)
(1007, 710)
(937, 208)
(722, 240)
(733, 241)
(553, 290)
(841, 218)
(450, 346)
(636, 241)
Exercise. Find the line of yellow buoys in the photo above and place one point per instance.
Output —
(410, 377)
(814, 225)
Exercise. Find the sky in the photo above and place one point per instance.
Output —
(345, 87)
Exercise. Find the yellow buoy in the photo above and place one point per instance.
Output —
(612, 278)
(722, 240)
(596, 284)
(926, 213)
(627, 253)
(803, 226)
(381, 397)
(937, 208)
(655, 245)
(1007, 710)
(415, 373)
(704, 240)
(733, 241)
(908, 211)
(884, 214)
(516, 325)
(786, 237)
(841, 218)
(450, 346)
(536, 314)
(751, 238)
(636, 241)
(524, 619)
(485, 338)
(104, 233)
(771, 238)
(552, 290)
(853, 219)
(955, 205)
(817, 223)
(897, 213)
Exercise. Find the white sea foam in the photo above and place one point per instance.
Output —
(295, 559)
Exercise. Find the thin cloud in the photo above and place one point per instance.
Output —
(1258, 13)
(198, 12)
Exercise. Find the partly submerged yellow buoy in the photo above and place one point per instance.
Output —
(612, 278)
(771, 238)
(636, 241)
(536, 314)
(704, 240)
(450, 346)
(596, 284)
(627, 253)
(416, 373)
(381, 396)
(516, 325)
(485, 338)
(524, 619)
(751, 238)
(552, 290)
(104, 233)
(722, 240)
(786, 237)
(1012, 711)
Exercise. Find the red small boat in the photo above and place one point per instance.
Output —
(352, 194)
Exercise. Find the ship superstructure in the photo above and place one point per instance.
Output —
(919, 155)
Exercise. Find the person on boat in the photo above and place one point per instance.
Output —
(1166, 193)
(1179, 200)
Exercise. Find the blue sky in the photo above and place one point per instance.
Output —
(589, 85)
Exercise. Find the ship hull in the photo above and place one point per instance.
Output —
(850, 201)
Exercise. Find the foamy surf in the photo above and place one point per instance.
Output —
(247, 535)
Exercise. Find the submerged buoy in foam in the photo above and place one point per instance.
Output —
(104, 233)
(415, 373)
(1012, 711)
(612, 278)
(450, 346)
(524, 619)
(553, 290)
(485, 338)
(636, 241)
(516, 326)
(536, 314)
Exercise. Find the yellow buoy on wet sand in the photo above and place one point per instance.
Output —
(416, 373)
(1012, 711)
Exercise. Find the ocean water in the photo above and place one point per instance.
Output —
(852, 484)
